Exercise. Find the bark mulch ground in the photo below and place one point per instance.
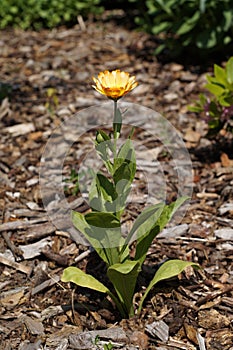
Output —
(45, 78)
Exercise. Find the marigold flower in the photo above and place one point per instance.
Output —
(114, 84)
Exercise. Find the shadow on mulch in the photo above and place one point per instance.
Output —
(212, 153)
(194, 60)
(97, 268)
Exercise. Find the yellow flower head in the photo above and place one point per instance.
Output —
(114, 84)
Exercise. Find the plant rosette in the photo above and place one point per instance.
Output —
(107, 197)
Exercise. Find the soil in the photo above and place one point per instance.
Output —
(46, 79)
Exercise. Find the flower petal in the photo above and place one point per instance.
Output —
(114, 84)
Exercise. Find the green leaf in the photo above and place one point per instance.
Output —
(123, 177)
(77, 276)
(149, 229)
(145, 222)
(227, 40)
(124, 171)
(220, 75)
(199, 105)
(80, 223)
(144, 244)
(107, 197)
(126, 154)
(168, 270)
(206, 39)
(103, 232)
(103, 220)
(228, 19)
(213, 109)
(164, 6)
(195, 109)
(95, 199)
(226, 99)
(202, 5)
(160, 27)
(229, 71)
(106, 187)
(170, 209)
(215, 89)
(160, 48)
(101, 136)
(124, 277)
(188, 24)
(103, 147)
(102, 194)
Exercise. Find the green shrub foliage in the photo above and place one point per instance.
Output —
(44, 13)
(199, 25)
(217, 106)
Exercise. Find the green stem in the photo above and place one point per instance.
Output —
(115, 131)
(119, 305)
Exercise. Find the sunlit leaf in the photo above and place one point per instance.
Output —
(220, 75)
(229, 71)
(215, 89)
(169, 269)
(80, 278)
(77, 276)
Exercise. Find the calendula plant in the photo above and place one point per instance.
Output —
(217, 108)
(108, 195)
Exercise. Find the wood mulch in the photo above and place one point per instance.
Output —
(45, 78)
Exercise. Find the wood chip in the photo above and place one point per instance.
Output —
(34, 326)
(20, 224)
(226, 207)
(35, 249)
(50, 282)
(191, 333)
(173, 232)
(20, 129)
(18, 266)
(212, 319)
(224, 233)
(201, 342)
(37, 231)
(85, 340)
(12, 297)
(158, 329)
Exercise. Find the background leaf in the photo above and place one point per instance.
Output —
(229, 71)
(220, 75)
